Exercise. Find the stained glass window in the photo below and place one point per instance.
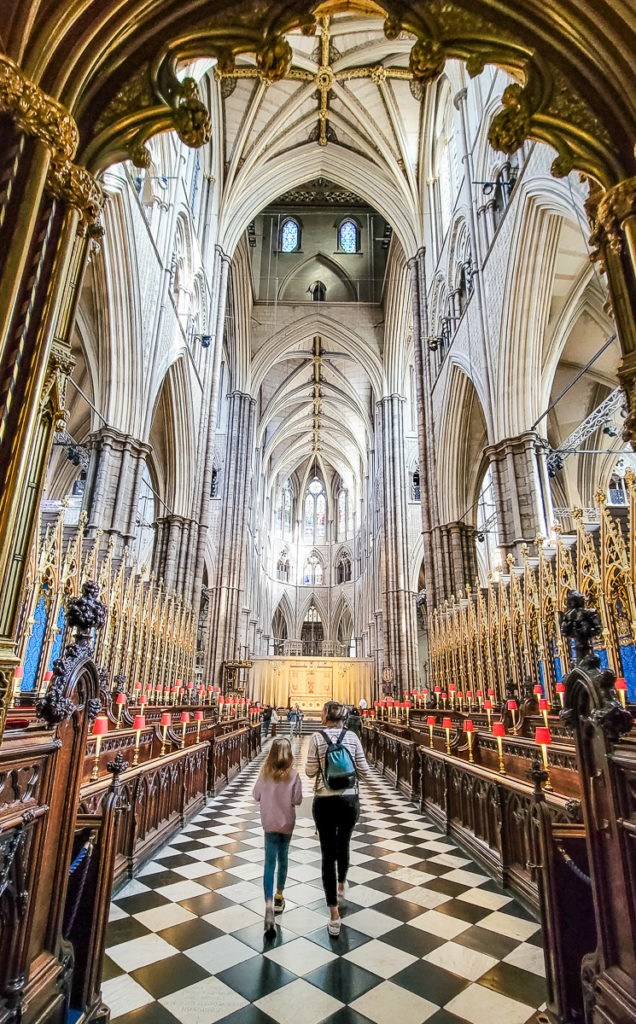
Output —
(309, 516)
(321, 516)
(313, 573)
(287, 510)
(289, 236)
(315, 511)
(342, 515)
(348, 236)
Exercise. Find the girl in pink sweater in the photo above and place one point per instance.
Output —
(279, 792)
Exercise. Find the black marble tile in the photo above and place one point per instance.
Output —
(255, 937)
(190, 933)
(110, 969)
(401, 910)
(447, 888)
(444, 1017)
(382, 867)
(158, 879)
(219, 879)
(430, 982)
(175, 860)
(346, 1015)
(123, 930)
(153, 1013)
(249, 1015)
(391, 886)
(348, 940)
(485, 941)
(143, 901)
(206, 903)
(192, 844)
(428, 866)
(256, 977)
(413, 940)
(168, 976)
(517, 984)
(463, 911)
(343, 980)
(376, 851)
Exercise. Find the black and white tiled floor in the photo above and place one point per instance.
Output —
(427, 936)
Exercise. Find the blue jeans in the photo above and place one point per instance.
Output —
(276, 849)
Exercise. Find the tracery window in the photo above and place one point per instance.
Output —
(445, 159)
(343, 569)
(283, 512)
(315, 511)
(290, 235)
(313, 573)
(342, 515)
(283, 568)
(348, 236)
(488, 554)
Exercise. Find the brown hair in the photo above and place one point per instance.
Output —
(334, 712)
(279, 761)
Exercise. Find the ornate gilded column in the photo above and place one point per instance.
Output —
(47, 209)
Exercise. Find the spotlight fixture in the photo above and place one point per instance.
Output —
(481, 537)
(206, 340)
(610, 430)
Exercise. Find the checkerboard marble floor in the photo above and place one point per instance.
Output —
(427, 936)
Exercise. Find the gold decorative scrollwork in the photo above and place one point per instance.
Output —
(36, 113)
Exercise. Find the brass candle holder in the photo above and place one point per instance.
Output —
(543, 739)
(469, 729)
(446, 726)
(499, 730)
(166, 721)
(560, 689)
(138, 724)
(120, 701)
(621, 688)
(185, 718)
(544, 708)
(100, 728)
(430, 721)
(198, 717)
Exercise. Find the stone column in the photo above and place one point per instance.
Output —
(518, 494)
(400, 631)
(227, 596)
(112, 485)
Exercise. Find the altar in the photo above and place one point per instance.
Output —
(310, 682)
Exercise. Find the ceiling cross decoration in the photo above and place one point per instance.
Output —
(325, 77)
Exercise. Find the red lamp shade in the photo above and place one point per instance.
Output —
(491, 693)
(18, 672)
(452, 687)
(376, 703)
(47, 677)
(560, 687)
(407, 704)
(143, 699)
(480, 693)
(140, 722)
(446, 723)
(382, 703)
(121, 698)
(177, 682)
(469, 694)
(438, 689)
(190, 686)
(512, 705)
(488, 705)
(430, 720)
(468, 726)
(166, 718)
(424, 692)
(499, 729)
(620, 684)
(538, 689)
(406, 696)
(138, 686)
(185, 716)
(221, 700)
(100, 726)
(543, 705)
(542, 736)
(210, 689)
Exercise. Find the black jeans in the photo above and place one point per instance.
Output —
(335, 818)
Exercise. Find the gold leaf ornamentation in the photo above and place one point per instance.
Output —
(427, 60)
(191, 118)
(74, 186)
(510, 128)
(36, 113)
(274, 58)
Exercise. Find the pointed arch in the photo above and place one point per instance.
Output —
(296, 284)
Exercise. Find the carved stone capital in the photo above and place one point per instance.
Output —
(74, 186)
(427, 60)
(608, 211)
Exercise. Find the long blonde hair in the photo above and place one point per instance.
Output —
(278, 763)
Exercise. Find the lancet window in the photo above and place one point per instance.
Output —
(348, 236)
(313, 573)
(488, 554)
(315, 518)
(343, 569)
(290, 235)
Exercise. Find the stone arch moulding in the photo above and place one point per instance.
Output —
(285, 608)
(314, 267)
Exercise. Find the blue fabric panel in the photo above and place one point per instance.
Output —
(628, 657)
(34, 647)
(558, 671)
(602, 653)
(541, 675)
(59, 639)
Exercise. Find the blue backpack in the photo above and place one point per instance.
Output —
(340, 771)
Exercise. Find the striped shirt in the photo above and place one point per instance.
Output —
(315, 765)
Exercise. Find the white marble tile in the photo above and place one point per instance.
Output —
(387, 1003)
(360, 875)
(464, 877)
(442, 925)
(241, 892)
(123, 995)
(528, 958)
(185, 890)
(303, 872)
(484, 898)
(252, 856)
(196, 870)
(147, 949)
(164, 917)
(393, 844)
(467, 963)
(302, 920)
(151, 868)
(364, 896)
(506, 924)
(231, 919)
(133, 888)
(115, 913)
(450, 860)
(203, 1003)
(246, 871)
(300, 956)
(371, 922)
(298, 1003)
(480, 1005)
(380, 958)
(207, 853)
(359, 858)
(220, 953)
(423, 897)
(405, 860)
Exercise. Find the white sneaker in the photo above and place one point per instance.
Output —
(333, 927)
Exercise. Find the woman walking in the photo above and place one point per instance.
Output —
(335, 759)
(278, 791)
